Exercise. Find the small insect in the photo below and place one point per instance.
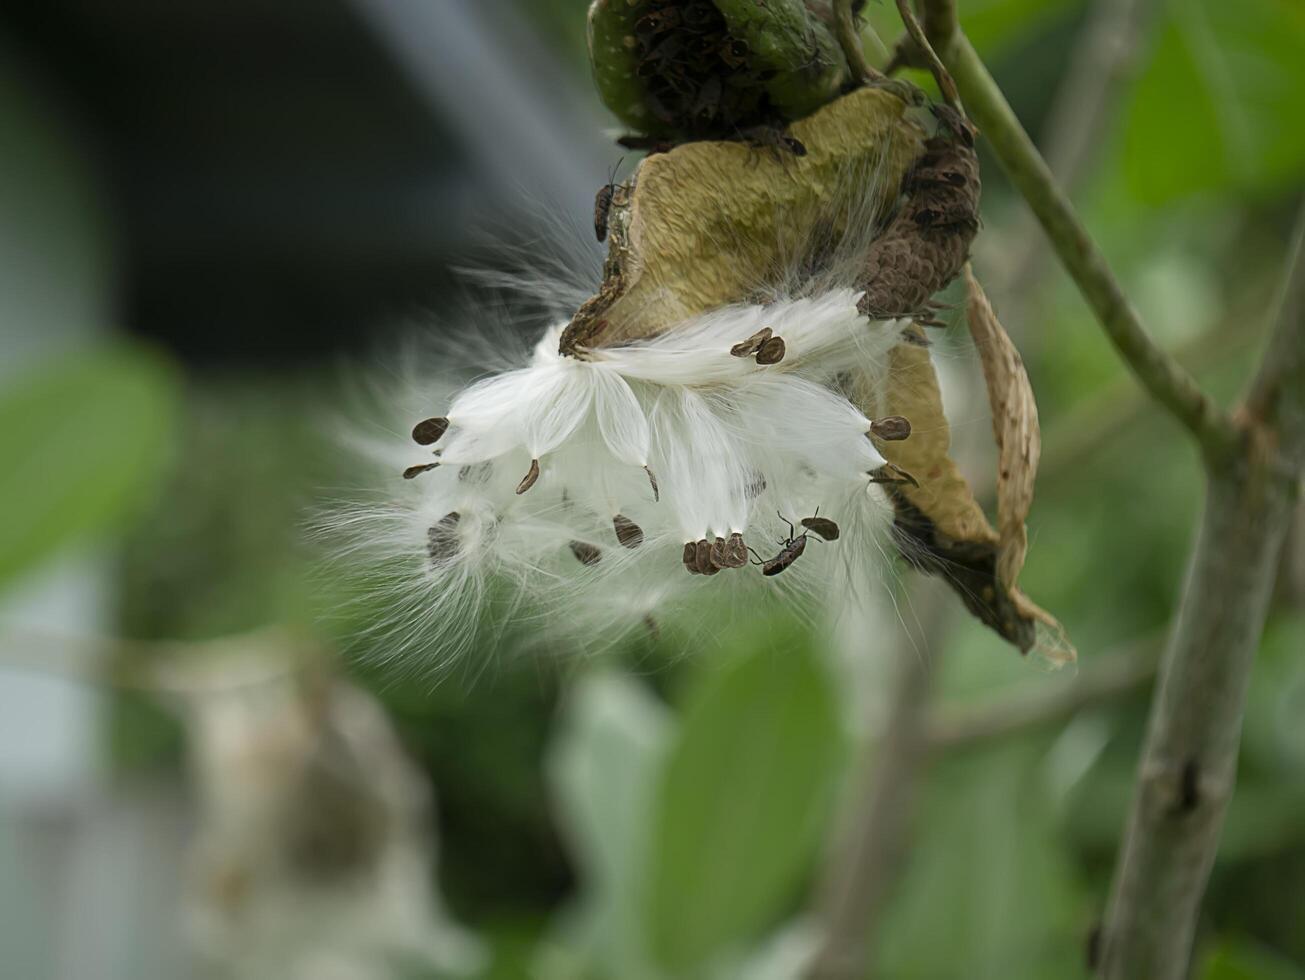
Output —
(428, 431)
(792, 550)
(602, 206)
(442, 537)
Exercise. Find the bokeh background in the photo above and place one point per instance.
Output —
(220, 220)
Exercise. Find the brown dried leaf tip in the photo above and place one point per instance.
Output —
(891, 428)
(628, 533)
(428, 431)
(585, 553)
(418, 470)
(529, 479)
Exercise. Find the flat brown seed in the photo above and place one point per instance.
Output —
(657, 494)
(628, 533)
(428, 431)
(891, 428)
(889, 473)
(418, 470)
(529, 479)
(585, 553)
(702, 558)
(691, 557)
(772, 351)
(821, 526)
(719, 559)
(750, 346)
(442, 537)
(736, 552)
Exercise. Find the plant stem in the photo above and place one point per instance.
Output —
(1189, 762)
(1160, 374)
(849, 39)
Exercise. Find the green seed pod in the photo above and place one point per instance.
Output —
(784, 38)
(708, 68)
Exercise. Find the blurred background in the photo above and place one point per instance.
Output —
(217, 219)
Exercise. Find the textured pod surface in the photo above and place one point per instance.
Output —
(707, 222)
(708, 68)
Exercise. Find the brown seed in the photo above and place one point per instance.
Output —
(529, 479)
(702, 558)
(628, 533)
(585, 553)
(691, 557)
(719, 559)
(650, 624)
(771, 352)
(442, 537)
(890, 473)
(657, 495)
(750, 346)
(891, 428)
(736, 551)
(418, 470)
(428, 431)
(821, 526)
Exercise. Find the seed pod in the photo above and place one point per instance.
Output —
(442, 537)
(585, 553)
(772, 351)
(529, 479)
(628, 533)
(891, 428)
(428, 431)
(418, 470)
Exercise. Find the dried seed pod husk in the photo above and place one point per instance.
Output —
(694, 229)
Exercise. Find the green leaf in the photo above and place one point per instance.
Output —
(743, 799)
(988, 873)
(602, 769)
(83, 444)
(1219, 104)
(1244, 960)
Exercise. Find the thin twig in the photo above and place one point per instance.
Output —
(1099, 680)
(1162, 376)
(849, 39)
(940, 74)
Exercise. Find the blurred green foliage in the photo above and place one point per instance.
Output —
(593, 825)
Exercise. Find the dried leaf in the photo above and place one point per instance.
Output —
(1014, 427)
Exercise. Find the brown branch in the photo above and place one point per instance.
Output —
(1163, 377)
(1099, 680)
(930, 57)
(1189, 761)
(849, 39)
